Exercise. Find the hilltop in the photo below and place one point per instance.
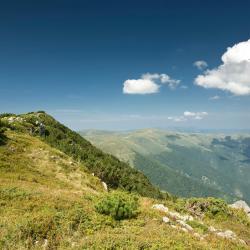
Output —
(52, 198)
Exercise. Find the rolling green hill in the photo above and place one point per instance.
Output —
(186, 164)
(50, 199)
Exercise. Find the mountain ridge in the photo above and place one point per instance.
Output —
(202, 159)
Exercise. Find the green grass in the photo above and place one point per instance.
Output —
(49, 199)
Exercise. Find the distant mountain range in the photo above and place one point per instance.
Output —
(186, 164)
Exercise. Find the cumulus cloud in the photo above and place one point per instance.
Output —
(200, 64)
(233, 75)
(148, 84)
(187, 115)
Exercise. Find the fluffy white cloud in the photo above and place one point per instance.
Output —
(140, 86)
(148, 84)
(233, 74)
(187, 115)
(200, 65)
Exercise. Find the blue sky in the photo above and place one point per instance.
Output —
(71, 59)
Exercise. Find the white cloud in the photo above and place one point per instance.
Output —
(148, 84)
(140, 86)
(195, 114)
(177, 118)
(188, 113)
(233, 74)
(200, 64)
(213, 98)
(187, 116)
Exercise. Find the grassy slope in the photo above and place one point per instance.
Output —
(107, 167)
(185, 157)
(46, 196)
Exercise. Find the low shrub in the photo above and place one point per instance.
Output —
(119, 205)
(211, 207)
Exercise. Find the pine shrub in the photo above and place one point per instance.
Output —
(119, 205)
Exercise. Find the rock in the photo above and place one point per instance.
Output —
(241, 205)
(104, 185)
(185, 225)
(93, 174)
(174, 215)
(187, 218)
(165, 219)
(228, 234)
(212, 229)
(196, 235)
(11, 119)
(71, 163)
(177, 216)
(160, 207)
(173, 226)
(184, 230)
(242, 242)
(45, 244)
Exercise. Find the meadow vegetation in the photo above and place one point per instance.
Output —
(49, 199)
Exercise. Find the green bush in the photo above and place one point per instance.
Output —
(210, 207)
(119, 205)
(2, 130)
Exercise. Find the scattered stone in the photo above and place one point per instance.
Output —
(173, 226)
(71, 163)
(104, 185)
(228, 234)
(174, 215)
(242, 242)
(45, 244)
(197, 235)
(11, 119)
(185, 225)
(160, 207)
(93, 174)
(165, 219)
(212, 229)
(177, 216)
(187, 218)
(184, 230)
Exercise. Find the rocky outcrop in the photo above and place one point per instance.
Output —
(185, 225)
(241, 205)
(180, 222)
(177, 216)
(165, 219)
(105, 186)
(160, 207)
